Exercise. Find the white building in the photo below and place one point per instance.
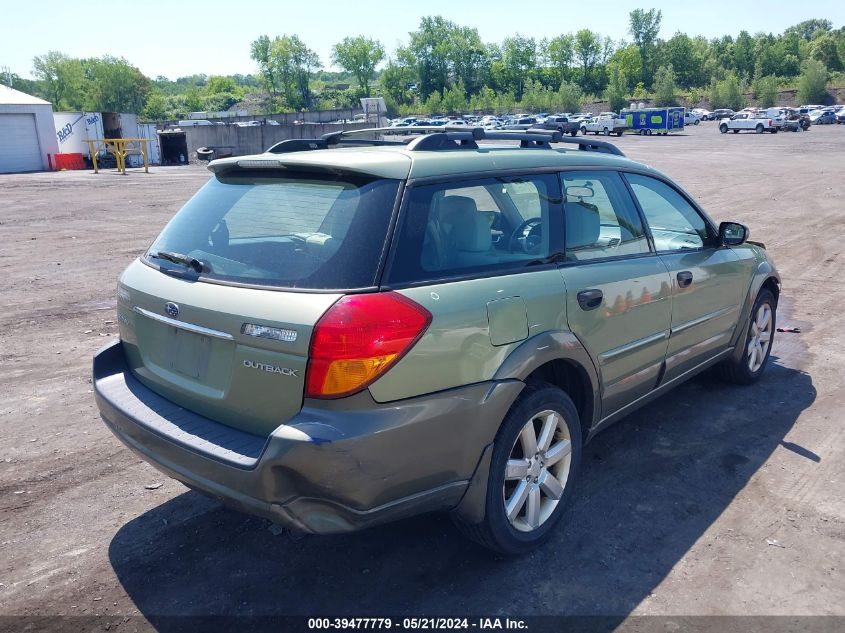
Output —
(27, 133)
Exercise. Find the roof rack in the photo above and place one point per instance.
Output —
(443, 137)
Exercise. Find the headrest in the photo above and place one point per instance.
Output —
(452, 207)
(583, 224)
(471, 233)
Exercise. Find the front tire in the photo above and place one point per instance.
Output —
(723, 128)
(757, 343)
(533, 467)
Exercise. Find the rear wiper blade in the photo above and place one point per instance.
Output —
(178, 258)
(554, 258)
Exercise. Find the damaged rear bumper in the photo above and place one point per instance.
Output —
(336, 466)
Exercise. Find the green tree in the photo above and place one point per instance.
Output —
(644, 27)
(664, 86)
(454, 99)
(824, 49)
(570, 97)
(260, 52)
(293, 64)
(684, 57)
(62, 79)
(560, 53)
(808, 29)
(427, 52)
(359, 56)
(114, 85)
(467, 58)
(743, 55)
(630, 64)
(765, 91)
(727, 93)
(519, 58)
(218, 84)
(395, 81)
(156, 108)
(617, 89)
(812, 82)
(588, 48)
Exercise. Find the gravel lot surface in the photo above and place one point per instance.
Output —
(713, 500)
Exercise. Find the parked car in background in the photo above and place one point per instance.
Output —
(840, 117)
(691, 118)
(721, 113)
(793, 118)
(820, 117)
(562, 124)
(521, 123)
(705, 115)
(749, 122)
(604, 125)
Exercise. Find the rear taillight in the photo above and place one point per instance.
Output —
(770, 123)
(360, 338)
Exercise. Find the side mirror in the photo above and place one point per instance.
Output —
(733, 233)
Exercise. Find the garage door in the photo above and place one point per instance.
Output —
(19, 150)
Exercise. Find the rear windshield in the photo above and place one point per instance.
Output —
(297, 230)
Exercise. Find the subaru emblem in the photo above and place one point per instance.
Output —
(172, 309)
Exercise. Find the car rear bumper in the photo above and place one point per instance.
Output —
(336, 466)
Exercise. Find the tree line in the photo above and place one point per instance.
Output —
(446, 67)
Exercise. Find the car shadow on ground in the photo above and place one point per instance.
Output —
(650, 487)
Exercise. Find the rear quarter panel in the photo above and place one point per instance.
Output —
(458, 349)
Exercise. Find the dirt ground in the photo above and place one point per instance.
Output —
(714, 500)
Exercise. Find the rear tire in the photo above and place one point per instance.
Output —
(521, 510)
(758, 340)
(758, 129)
(619, 133)
(574, 133)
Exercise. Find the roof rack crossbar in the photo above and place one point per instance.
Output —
(584, 143)
(443, 137)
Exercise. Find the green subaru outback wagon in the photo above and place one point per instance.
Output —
(344, 331)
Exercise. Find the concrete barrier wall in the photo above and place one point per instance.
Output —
(256, 139)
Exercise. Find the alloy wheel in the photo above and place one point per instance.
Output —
(537, 471)
(759, 338)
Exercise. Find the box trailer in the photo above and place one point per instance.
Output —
(149, 132)
(73, 129)
(647, 121)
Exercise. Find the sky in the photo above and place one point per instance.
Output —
(184, 37)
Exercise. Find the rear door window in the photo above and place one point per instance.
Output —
(459, 228)
(288, 230)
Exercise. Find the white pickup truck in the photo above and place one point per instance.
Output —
(605, 123)
(750, 122)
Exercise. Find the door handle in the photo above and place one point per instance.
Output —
(684, 279)
(590, 299)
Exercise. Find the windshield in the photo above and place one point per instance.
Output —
(292, 230)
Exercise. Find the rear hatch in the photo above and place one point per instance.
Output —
(218, 315)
